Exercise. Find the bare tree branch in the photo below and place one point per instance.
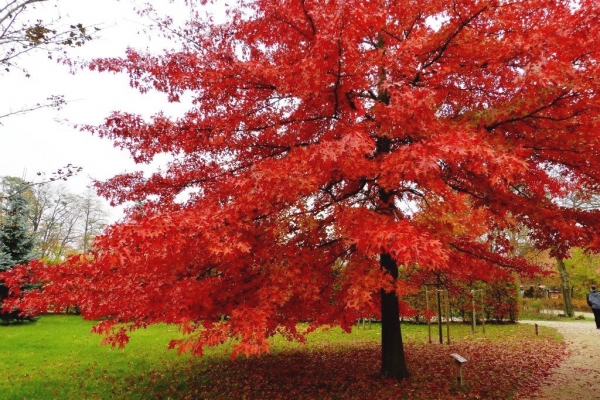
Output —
(20, 34)
(52, 102)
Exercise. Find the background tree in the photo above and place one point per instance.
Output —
(327, 146)
(575, 198)
(584, 268)
(93, 219)
(62, 222)
(70, 223)
(56, 209)
(17, 242)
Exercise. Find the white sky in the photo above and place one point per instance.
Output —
(45, 140)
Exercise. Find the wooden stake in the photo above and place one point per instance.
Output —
(447, 316)
(428, 317)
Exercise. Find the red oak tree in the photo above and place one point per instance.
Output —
(331, 146)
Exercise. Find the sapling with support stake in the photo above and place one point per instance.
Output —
(439, 313)
(474, 321)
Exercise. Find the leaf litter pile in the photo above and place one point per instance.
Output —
(512, 367)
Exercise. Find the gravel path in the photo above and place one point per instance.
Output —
(578, 377)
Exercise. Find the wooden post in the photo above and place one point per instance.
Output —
(447, 317)
(474, 315)
(439, 313)
(427, 309)
(536, 329)
(482, 311)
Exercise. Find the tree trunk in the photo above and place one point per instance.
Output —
(566, 287)
(393, 363)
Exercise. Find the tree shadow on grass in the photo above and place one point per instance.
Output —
(494, 371)
(13, 318)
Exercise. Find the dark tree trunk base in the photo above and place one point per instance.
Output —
(393, 363)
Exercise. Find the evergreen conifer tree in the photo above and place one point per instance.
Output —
(5, 258)
(16, 238)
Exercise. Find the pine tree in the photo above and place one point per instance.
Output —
(4, 256)
(16, 238)
(15, 231)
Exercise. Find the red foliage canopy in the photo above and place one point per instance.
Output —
(325, 133)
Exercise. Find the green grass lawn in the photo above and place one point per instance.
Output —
(58, 358)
